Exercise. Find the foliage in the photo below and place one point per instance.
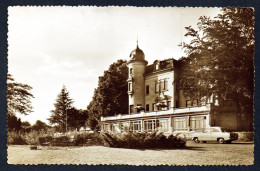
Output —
(18, 100)
(24, 138)
(110, 97)
(220, 59)
(13, 123)
(142, 140)
(62, 105)
(76, 118)
(87, 139)
(15, 138)
(18, 97)
(40, 126)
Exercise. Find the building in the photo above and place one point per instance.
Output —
(155, 103)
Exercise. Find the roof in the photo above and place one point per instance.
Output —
(137, 54)
(164, 64)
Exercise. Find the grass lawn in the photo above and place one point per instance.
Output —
(236, 153)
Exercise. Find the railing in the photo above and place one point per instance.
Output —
(158, 113)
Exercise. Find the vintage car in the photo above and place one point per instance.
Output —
(214, 134)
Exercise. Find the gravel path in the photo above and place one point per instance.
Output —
(194, 154)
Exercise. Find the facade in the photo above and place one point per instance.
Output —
(155, 103)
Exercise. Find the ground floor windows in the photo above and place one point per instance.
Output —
(180, 124)
(136, 126)
(197, 123)
(174, 124)
(149, 125)
(163, 125)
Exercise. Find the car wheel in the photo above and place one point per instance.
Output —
(196, 140)
(221, 141)
(204, 141)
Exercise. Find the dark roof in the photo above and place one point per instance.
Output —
(164, 64)
(137, 54)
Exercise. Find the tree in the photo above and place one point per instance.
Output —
(76, 118)
(62, 105)
(18, 100)
(13, 123)
(220, 60)
(40, 126)
(18, 97)
(26, 126)
(110, 97)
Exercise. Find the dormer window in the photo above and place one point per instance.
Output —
(157, 67)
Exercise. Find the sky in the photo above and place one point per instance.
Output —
(49, 47)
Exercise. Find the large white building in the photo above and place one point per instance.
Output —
(155, 103)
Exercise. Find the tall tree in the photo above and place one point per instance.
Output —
(77, 118)
(18, 101)
(40, 126)
(220, 59)
(62, 105)
(110, 97)
(18, 97)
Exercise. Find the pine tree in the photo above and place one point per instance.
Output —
(62, 105)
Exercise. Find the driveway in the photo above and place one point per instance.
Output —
(237, 153)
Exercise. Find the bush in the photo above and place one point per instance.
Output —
(142, 140)
(87, 139)
(16, 138)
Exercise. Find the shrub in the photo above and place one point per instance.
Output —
(142, 140)
(47, 140)
(15, 138)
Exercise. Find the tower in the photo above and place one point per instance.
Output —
(136, 82)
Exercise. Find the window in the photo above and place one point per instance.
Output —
(215, 130)
(163, 125)
(166, 84)
(156, 87)
(168, 104)
(147, 89)
(188, 103)
(154, 106)
(131, 70)
(126, 126)
(177, 104)
(180, 124)
(129, 86)
(140, 108)
(195, 103)
(147, 108)
(149, 125)
(106, 127)
(162, 85)
(197, 123)
(136, 126)
(131, 108)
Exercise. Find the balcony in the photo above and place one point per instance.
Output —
(172, 111)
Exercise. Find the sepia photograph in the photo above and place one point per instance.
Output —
(130, 85)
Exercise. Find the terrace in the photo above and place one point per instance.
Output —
(171, 111)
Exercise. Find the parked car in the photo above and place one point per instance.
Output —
(214, 134)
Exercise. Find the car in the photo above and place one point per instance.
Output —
(214, 134)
